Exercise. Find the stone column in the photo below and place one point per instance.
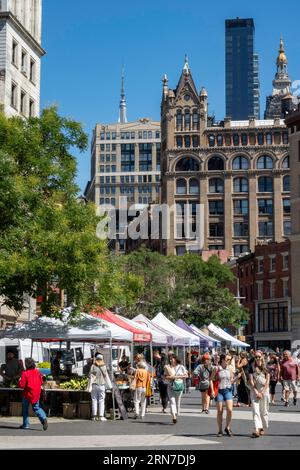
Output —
(228, 215)
(204, 201)
(253, 211)
(278, 208)
(169, 181)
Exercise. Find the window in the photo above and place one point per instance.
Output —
(272, 317)
(240, 249)
(241, 207)
(286, 206)
(272, 286)
(145, 162)
(127, 157)
(240, 163)
(285, 138)
(32, 71)
(286, 163)
(24, 62)
(31, 108)
(285, 262)
(216, 164)
(179, 141)
(187, 120)
(220, 140)
(265, 206)
(158, 156)
(102, 136)
(181, 187)
(13, 98)
(285, 288)
(266, 229)
(195, 139)
(286, 184)
(259, 290)
(187, 164)
(265, 184)
(14, 57)
(287, 228)
(241, 229)
(216, 230)
(195, 120)
(194, 187)
(179, 120)
(187, 141)
(216, 207)
(113, 136)
(180, 250)
(149, 135)
(216, 247)
(216, 186)
(244, 139)
(272, 264)
(260, 139)
(240, 185)
(212, 141)
(265, 163)
(23, 103)
(269, 138)
(236, 140)
(157, 135)
(107, 138)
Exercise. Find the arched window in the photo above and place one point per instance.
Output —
(216, 186)
(240, 163)
(195, 120)
(194, 186)
(187, 119)
(265, 163)
(216, 164)
(265, 184)
(286, 184)
(240, 185)
(286, 163)
(181, 186)
(220, 140)
(187, 164)
(269, 138)
(212, 140)
(179, 120)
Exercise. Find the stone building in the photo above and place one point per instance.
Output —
(281, 101)
(20, 57)
(238, 170)
(293, 123)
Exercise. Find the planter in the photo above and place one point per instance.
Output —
(69, 410)
(84, 410)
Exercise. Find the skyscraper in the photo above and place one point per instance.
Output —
(242, 78)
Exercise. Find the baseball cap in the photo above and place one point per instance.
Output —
(99, 356)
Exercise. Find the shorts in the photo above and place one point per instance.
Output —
(290, 385)
(224, 395)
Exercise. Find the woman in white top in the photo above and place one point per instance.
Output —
(175, 375)
(259, 381)
(224, 375)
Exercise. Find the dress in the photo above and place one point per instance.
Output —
(242, 390)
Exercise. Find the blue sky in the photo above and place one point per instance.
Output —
(87, 43)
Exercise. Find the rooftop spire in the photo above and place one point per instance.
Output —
(186, 67)
(123, 106)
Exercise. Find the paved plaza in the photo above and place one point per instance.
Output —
(193, 431)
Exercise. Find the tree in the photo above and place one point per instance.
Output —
(47, 237)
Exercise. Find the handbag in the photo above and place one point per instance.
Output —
(91, 381)
(132, 385)
(177, 385)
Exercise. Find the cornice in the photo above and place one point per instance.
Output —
(239, 149)
(23, 31)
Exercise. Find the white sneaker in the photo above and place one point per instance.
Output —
(102, 418)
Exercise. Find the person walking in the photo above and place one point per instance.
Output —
(274, 371)
(289, 374)
(141, 378)
(224, 375)
(242, 390)
(204, 373)
(175, 373)
(162, 383)
(101, 382)
(259, 381)
(31, 382)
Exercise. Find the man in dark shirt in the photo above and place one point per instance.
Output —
(55, 365)
(124, 364)
(12, 370)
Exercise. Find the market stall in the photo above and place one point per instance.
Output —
(226, 337)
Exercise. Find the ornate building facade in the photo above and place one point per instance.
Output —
(238, 170)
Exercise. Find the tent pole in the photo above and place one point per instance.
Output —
(112, 378)
(31, 352)
(190, 366)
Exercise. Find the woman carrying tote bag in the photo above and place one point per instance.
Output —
(100, 381)
(175, 374)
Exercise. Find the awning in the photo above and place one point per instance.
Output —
(144, 321)
(180, 337)
(139, 335)
(226, 336)
(205, 340)
(158, 338)
(47, 329)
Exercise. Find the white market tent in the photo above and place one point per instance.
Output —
(211, 341)
(180, 336)
(85, 329)
(215, 330)
(144, 321)
(158, 338)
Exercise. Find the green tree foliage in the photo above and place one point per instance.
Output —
(47, 237)
(184, 287)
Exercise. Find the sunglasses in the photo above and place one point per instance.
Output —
(258, 357)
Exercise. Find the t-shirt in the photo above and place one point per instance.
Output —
(123, 364)
(11, 369)
(141, 376)
(289, 370)
(224, 377)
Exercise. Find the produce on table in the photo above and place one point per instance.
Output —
(75, 384)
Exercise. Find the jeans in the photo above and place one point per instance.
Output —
(98, 398)
(38, 411)
(224, 395)
(140, 398)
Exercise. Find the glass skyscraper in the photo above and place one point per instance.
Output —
(242, 70)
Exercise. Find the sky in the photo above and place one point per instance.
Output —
(87, 42)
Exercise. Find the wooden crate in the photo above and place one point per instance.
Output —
(15, 409)
(69, 410)
(84, 410)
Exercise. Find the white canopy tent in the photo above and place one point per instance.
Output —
(180, 336)
(215, 330)
(158, 337)
(211, 341)
(144, 321)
